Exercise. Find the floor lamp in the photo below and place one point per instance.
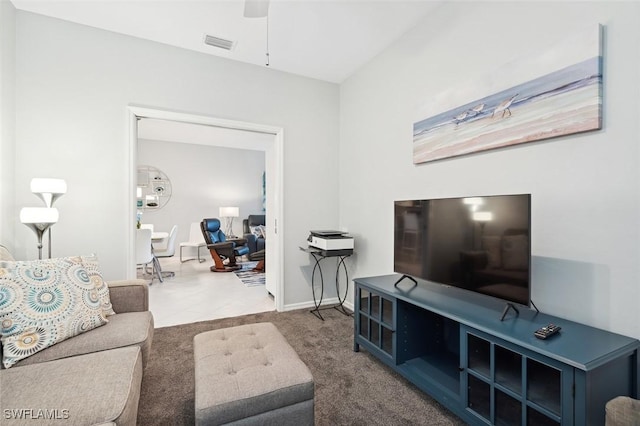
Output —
(49, 190)
(228, 213)
(483, 218)
(39, 219)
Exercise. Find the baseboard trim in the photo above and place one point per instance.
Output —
(311, 305)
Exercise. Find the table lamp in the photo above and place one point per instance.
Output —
(228, 213)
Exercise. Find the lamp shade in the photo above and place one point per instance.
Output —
(49, 189)
(482, 216)
(473, 201)
(229, 211)
(41, 217)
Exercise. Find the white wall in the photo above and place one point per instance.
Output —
(7, 121)
(203, 178)
(585, 188)
(74, 83)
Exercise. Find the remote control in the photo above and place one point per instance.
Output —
(546, 331)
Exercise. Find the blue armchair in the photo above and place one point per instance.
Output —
(220, 248)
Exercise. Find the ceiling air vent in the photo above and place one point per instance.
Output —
(218, 42)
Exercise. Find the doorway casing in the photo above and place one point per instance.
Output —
(274, 155)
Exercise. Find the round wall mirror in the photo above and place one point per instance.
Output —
(154, 188)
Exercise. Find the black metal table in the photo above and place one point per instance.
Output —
(318, 255)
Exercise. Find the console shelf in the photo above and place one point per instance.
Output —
(452, 344)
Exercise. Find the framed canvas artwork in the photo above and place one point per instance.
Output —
(558, 92)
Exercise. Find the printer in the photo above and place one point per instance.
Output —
(331, 242)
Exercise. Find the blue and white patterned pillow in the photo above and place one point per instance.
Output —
(259, 231)
(44, 302)
(93, 269)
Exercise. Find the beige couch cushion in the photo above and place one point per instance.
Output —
(129, 295)
(622, 411)
(128, 329)
(73, 391)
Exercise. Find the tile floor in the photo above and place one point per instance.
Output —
(197, 294)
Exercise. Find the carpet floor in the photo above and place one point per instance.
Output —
(351, 388)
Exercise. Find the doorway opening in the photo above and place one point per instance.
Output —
(274, 184)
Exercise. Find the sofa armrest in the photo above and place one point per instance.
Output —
(622, 410)
(129, 295)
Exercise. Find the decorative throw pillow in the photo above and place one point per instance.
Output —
(492, 245)
(515, 254)
(259, 231)
(93, 269)
(5, 254)
(44, 302)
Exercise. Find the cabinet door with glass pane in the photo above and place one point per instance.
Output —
(374, 319)
(505, 385)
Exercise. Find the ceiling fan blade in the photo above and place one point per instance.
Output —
(256, 8)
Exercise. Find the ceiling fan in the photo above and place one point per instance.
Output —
(256, 8)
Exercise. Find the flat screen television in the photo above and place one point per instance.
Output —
(481, 243)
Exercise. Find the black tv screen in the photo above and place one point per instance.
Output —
(481, 244)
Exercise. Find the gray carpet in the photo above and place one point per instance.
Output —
(350, 388)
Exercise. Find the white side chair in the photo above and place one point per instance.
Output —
(147, 226)
(170, 249)
(144, 252)
(196, 240)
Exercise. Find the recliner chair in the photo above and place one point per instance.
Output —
(254, 242)
(220, 248)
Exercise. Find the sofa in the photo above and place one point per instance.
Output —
(93, 378)
(253, 229)
(622, 411)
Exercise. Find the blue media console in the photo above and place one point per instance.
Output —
(453, 345)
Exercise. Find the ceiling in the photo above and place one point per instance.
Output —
(323, 39)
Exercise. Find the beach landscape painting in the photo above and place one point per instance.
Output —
(560, 94)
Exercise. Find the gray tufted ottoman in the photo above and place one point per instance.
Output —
(249, 375)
